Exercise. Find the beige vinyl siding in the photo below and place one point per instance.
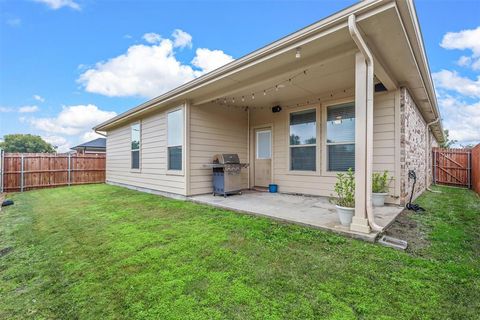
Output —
(322, 182)
(153, 157)
(215, 129)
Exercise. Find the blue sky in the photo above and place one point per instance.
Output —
(66, 65)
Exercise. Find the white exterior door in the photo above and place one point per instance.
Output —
(263, 157)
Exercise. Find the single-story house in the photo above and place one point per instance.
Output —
(351, 90)
(96, 146)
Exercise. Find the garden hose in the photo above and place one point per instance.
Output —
(410, 205)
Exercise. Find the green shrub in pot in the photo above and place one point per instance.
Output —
(345, 200)
(380, 184)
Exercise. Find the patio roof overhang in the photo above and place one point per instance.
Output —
(326, 66)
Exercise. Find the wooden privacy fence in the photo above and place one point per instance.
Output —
(476, 168)
(452, 167)
(26, 171)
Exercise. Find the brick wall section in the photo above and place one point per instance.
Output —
(413, 147)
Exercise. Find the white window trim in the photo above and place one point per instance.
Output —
(331, 103)
(317, 145)
(170, 171)
(256, 144)
(139, 148)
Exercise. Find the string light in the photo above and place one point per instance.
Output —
(276, 87)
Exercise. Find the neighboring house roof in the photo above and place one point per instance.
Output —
(394, 32)
(99, 143)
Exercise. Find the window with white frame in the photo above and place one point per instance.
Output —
(303, 140)
(175, 139)
(341, 137)
(135, 146)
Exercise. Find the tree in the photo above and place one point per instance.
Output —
(25, 143)
(447, 143)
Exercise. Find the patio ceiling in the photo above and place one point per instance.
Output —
(321, 80)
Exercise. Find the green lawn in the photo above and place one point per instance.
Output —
(104, 252)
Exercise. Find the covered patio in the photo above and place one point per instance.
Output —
(325, 105)
(313, 211)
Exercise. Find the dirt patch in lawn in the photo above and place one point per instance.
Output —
(406, 228)
(5, 251)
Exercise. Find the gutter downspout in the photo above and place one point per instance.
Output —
(428, 155)
(362, 46)
(248, 147)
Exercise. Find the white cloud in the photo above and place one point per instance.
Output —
(451, 80)
(465, 40)
(209, 60)
(90, 135)
(28, 109)
(38, 98)
(152, 37)
(62, 144)
(14, 22)
(58, 4)
(5, 109)
(464, 61)
(149, 70)
(181, 39)
(461, 118)
(72, 120)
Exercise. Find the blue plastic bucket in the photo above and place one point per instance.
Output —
(272, 188)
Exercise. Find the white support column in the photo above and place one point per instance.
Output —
(360, 221)
(186, 147)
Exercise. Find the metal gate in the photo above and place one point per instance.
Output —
(452, 167)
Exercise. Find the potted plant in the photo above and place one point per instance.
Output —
(379, 188)
(345, 201)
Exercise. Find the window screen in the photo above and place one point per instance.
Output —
(135, 146)
(303, 127)
(175, 158)
(303, 158)
(303, 140)
(341, 137)
(175, 139)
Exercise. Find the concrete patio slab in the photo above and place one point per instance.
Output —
(310, 211)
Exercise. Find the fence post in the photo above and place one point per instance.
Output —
(69, 169)
(434, 167)
(469, 155)
(2, 159)
(21, 173)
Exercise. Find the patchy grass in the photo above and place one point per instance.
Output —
(104, 252)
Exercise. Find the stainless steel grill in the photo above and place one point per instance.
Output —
(226, 173)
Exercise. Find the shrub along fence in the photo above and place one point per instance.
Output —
(26, 171)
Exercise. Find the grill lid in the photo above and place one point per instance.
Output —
(226, 158)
